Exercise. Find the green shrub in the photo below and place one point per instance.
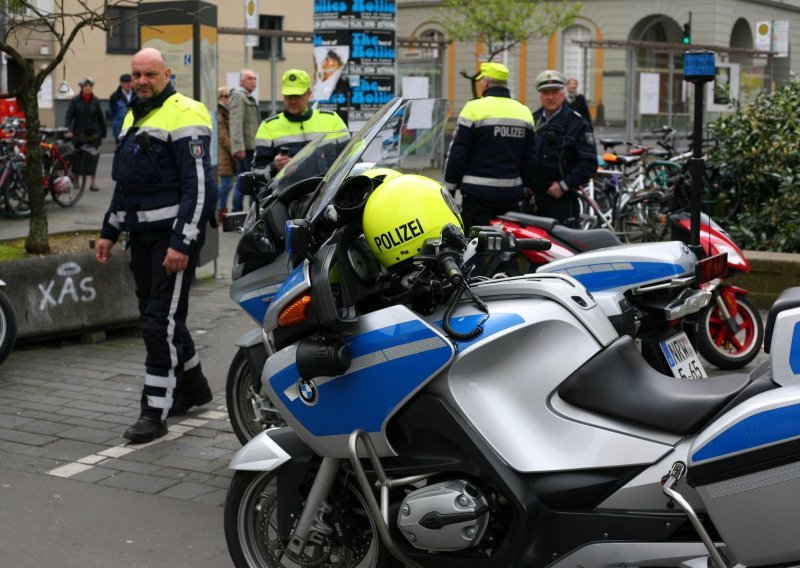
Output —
(760, 144)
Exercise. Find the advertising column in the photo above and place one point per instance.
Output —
(355, 56)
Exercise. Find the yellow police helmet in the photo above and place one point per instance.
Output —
(402, 213)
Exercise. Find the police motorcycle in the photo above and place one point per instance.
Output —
(260, 266)
(8, 324)
(437, 421)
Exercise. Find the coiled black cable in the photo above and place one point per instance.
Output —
(451, 306)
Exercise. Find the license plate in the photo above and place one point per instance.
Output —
(682, 359)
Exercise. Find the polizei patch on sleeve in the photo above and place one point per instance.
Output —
(399, 235)
(196, 148)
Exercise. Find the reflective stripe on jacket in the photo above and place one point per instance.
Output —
(491, 155)
(280, 131)
(162, 167)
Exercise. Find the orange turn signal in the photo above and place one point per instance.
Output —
(295, 312)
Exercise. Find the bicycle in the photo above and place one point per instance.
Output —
(64, 185)
(722, 191)
(13, 187)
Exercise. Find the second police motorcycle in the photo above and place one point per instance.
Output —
(647, 295)
(437, 421)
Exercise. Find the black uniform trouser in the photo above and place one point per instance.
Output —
(564, 210)
(476, 212)
(163, 305)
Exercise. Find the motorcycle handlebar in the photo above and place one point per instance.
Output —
(451, 269)
(533, 244)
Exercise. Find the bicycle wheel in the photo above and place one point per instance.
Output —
(641, 220)
(15, 194)
(66, 194)
(589, 217)
(658, 174)
(725, 195)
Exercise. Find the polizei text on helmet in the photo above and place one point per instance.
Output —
(399, 235)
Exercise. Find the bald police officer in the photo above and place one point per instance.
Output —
(491, 155)
(164, 197)
(565, 154)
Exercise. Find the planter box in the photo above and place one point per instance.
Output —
(70, 294)
(771, 273)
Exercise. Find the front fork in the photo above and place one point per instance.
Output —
(725, 298)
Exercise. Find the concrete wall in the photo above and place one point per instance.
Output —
(69, 294)
(772, 272)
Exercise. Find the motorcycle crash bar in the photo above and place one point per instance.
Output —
(678, 468)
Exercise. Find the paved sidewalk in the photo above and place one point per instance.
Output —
(72, 493)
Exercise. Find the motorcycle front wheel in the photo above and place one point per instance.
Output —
(8, 327)
(250, 410)
(251, 527)
(724, 349)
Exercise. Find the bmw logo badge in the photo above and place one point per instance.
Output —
(307, 391)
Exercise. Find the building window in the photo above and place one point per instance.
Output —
(576, 63)
(123, 32)
(264, 48)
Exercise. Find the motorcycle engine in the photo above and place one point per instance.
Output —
(447, 516)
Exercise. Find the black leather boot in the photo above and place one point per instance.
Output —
(145, 430)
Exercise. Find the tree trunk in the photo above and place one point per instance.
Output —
(37, 241)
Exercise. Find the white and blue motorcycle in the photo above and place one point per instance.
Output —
(441, 422)
(645, 290)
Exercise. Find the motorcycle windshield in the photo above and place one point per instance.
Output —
(313, 160)
(406, 135)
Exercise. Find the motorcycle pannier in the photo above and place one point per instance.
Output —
(746, 469)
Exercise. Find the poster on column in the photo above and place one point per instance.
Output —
(355, 55)
(355, 15)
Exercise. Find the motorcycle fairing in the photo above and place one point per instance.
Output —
(626, 266)
(255, 291)
(784, 355)
(744, 465)
(298, 282)
(394, 354)
(502, 385)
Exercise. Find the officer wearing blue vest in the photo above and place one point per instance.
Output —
(491, 155)
(566, 158)
(164, 196)
(281, 136)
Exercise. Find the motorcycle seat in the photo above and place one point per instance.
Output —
(619, 383)
(546, 223)
(585, 240)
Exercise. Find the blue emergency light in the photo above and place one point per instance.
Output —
(699, 66)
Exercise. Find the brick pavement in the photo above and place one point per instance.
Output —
(64, 405)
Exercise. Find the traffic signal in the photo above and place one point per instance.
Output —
(687, 33)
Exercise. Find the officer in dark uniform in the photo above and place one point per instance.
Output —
(164, 196)
(565, 153)
(491, 155)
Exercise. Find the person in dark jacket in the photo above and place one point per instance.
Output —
(164, 198)
(86, 124)
(565, 153)
(118, 104)
(491, 155)
(577, 101)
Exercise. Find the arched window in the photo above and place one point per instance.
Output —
(576, 59)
